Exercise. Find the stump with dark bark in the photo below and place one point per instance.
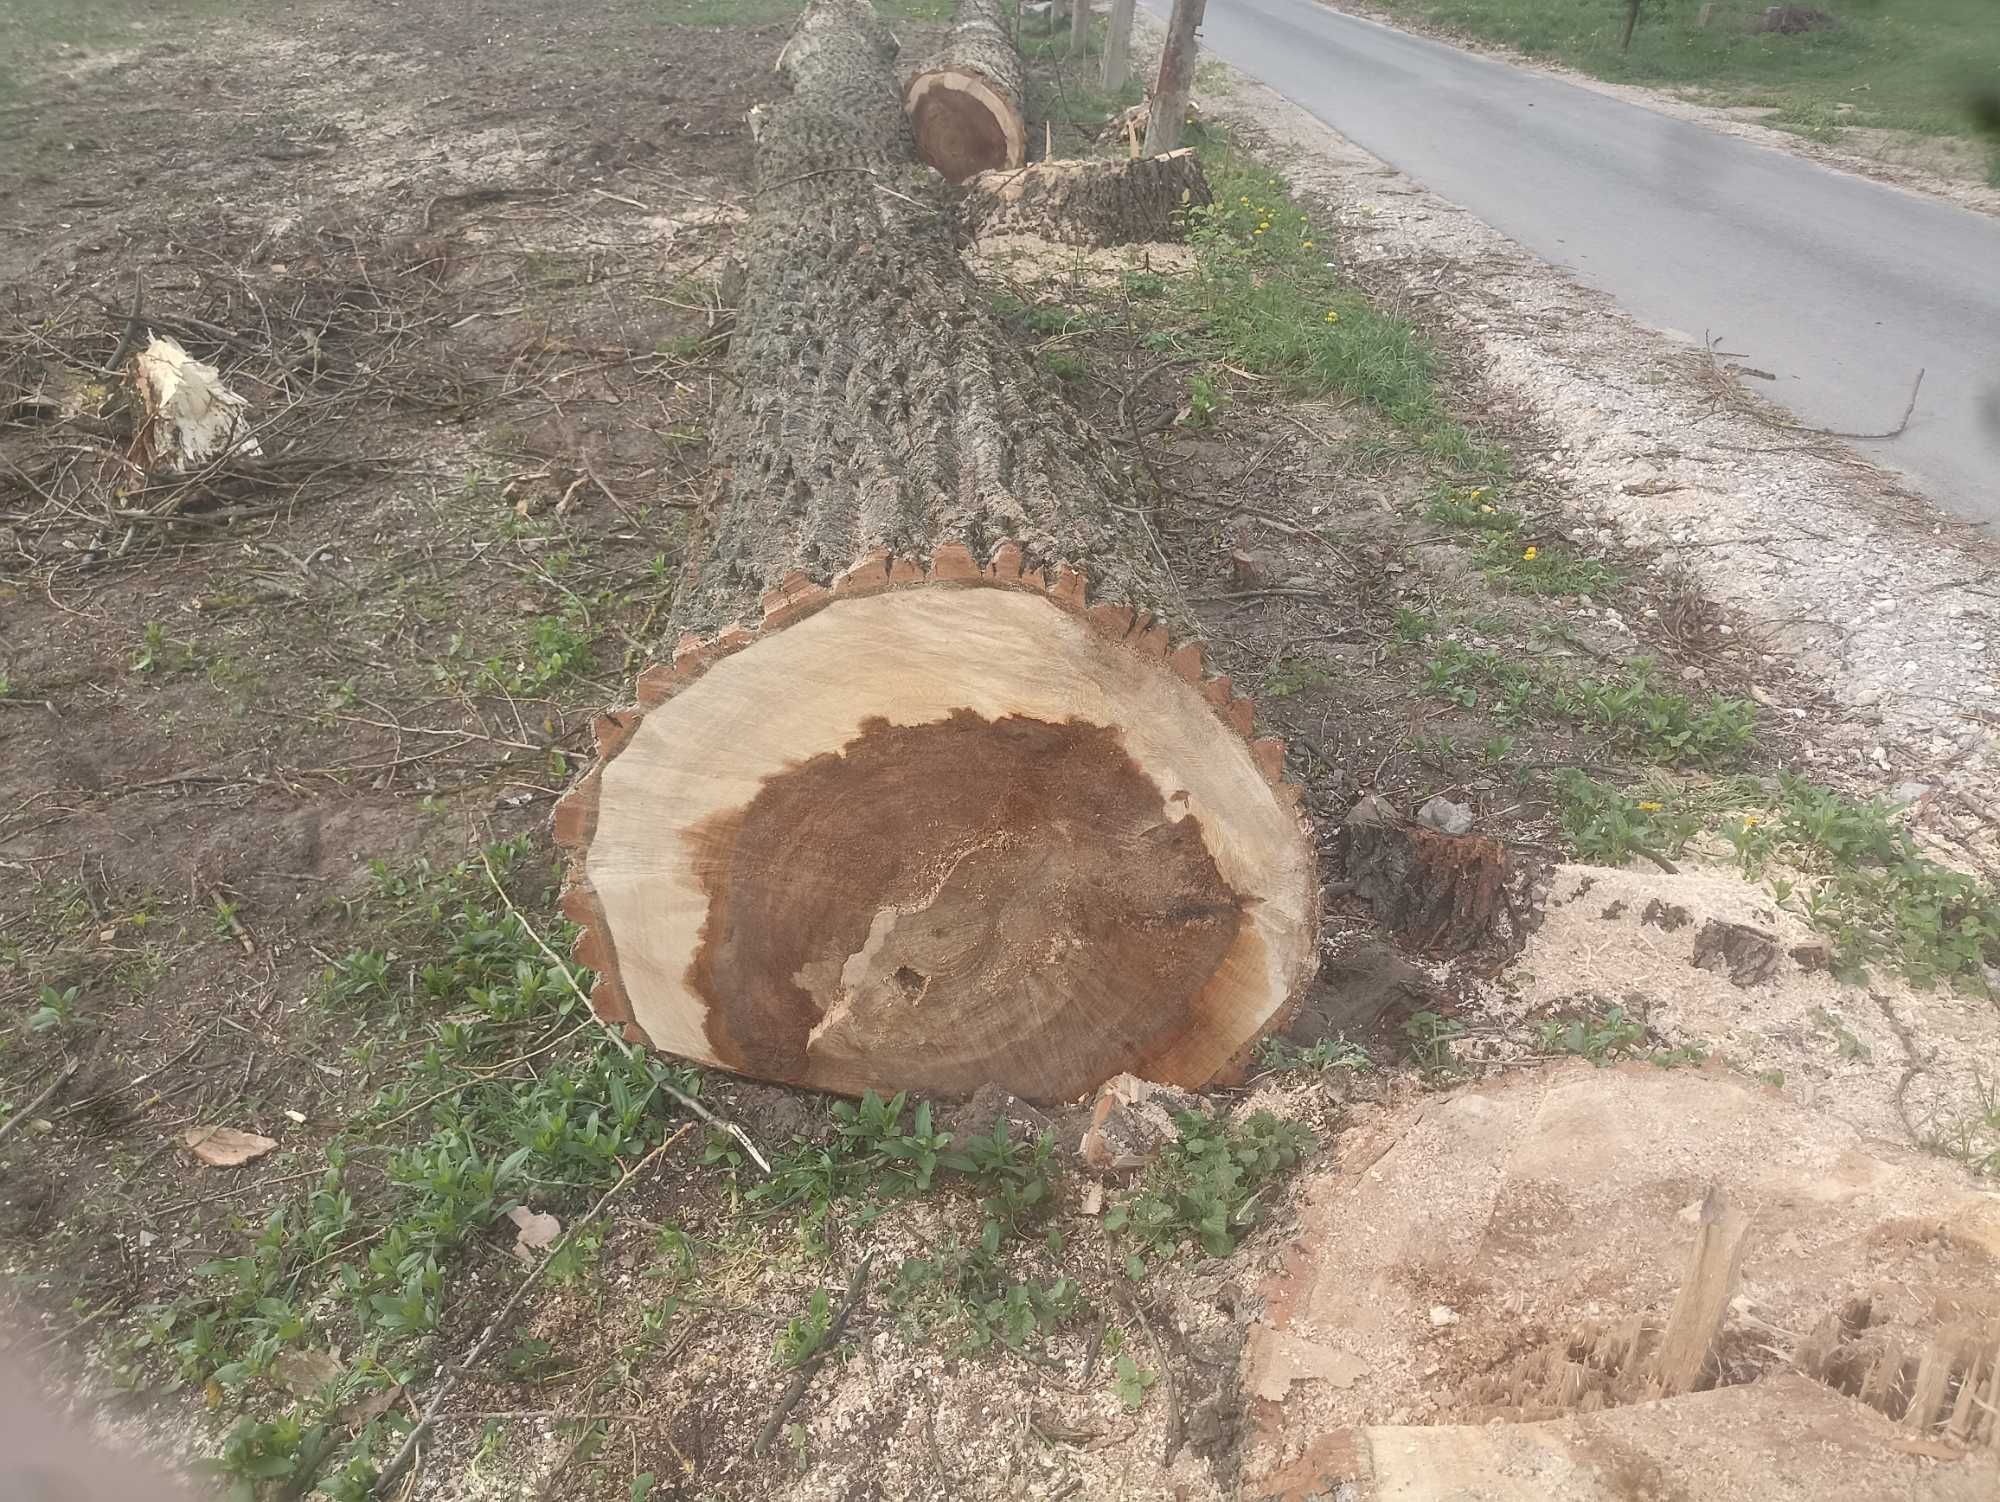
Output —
(1089, 202)
(907, 810)
(965, 103)
(1443, 891)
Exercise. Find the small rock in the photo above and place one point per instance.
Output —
(1442, 1315)
(1441, 814)
(1910, 792)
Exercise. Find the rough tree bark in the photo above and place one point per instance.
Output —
(965, 103)
(1118, 45)
(1079, 27)
(1176, 78)
(907, 810)
(1446, 892)
(1089, 202)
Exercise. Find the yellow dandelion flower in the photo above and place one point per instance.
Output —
(1528, 556)
(1332, 316)
(1651, 808)
(1751, 821)
(1478, 491)
(1308, 245)
(1244, 201)
(1259, 230)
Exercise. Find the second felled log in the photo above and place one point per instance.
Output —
(1089, 202)
(965, 103)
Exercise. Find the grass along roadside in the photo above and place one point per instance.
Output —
(1885, 65)
(1849, 868)
(1266, 298)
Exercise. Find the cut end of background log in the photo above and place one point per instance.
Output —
(965, 105)
(934, 829)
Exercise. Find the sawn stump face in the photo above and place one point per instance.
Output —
(1018, 891)
(947, 836)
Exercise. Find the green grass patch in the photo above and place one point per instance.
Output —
(1864, 883)
(31, 29)
(1912, 65)
(365, 1258)
(1510, 554)
(1264, 299)
(1849, 868)
(1637, 714)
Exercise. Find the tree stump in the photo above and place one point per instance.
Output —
(907, 810)
(1089, 202)
(965, 103)
(1447, 891)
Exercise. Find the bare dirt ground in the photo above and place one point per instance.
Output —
(277, 746)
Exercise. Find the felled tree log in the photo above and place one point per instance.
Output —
(965, 103)
(1089, 202)
(906, 810)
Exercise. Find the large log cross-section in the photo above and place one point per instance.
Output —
(907, 809)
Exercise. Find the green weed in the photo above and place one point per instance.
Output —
(1281, 1055)
(1204, 1186)
(1866, 885)
(1431, 1040)
(1131, 1383)
(1635, 712)
(1598, 1038)
(1605, 824)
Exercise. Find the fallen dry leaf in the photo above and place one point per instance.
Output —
(363, 1411)
(225, 1147)
(536, 1232)
(303, 1373)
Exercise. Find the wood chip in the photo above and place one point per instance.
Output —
(225, 1147)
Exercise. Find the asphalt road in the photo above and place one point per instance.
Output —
(1841, 287)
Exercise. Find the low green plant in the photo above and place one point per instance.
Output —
(1607, 824)
(970, 1295)
(263, 1460)
(1131, 1382)
(1598, 1037)
(1631, 708)
(1288, 677)
(1431, 1041)
(1203, 1188)
(1865, 884)
(54, 1010)
(1206, 397)
(804, 1334)
(1281, 1055)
